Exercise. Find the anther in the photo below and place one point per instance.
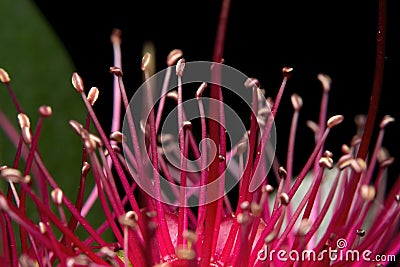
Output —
(304, 227)
(85, 168)
(12, 175)
(334, 120)
(385, 121)
(252, 83)
(93, 95)
(4, 77)
(268, 188)
(42, 228)
(297, 102)
(201, 89)
(173, 56)
(45, 111)
(287, 72)
(326, 81)
(326, 162)
(367, 192)
(117, 136)
(284, 198)
(116, 36)
(146, 61)
(187, 125)
(77, 82)
(76, 126)
(190, 236)
(185, 254)
(116, 71)
(180, 66)
(57, 196)
(360, 232)
(282, 173)
(270, 237)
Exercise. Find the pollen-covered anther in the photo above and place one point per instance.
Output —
(270, 237)
(106, 252)
(42, 228)
(297, 102)
(190, 236)
(201, 89)
(96, 139)
(252, 83)
(360, 120)
(146, 61)
(12, 175)
(284, 198)
(27, 179)
(367, 192)
(185, 253)
(334, 120)
(242, 218)
(151, 214)
(345, 161)
(93, 95)
(76, 126)
(26, 135)
(287, 72)
(4, 77)
(326, 81)
(116, 36)
(268, 188)
(313, 126)
(397, 198)
(282, 173)
(57, 196)
(173, 95)
(187, 125)
(173, 56)
(328, 154)
(79, 260)
(116, 71)
(385, 121)
(129, 219)
(26, 261)
(221, 158)
(345, 149)
(23, 120)
(85, 168)
(360, 232)
(256, 209)
(245, 205)
(358, 165)
(326, 162)
(304, 227)
(45, 111)
(77, 82)
(180, 67)
(117, 136)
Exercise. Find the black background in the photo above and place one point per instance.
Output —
(337, 38)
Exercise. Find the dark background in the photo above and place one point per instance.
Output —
(333, 37)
